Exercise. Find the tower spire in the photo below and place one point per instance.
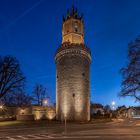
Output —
(72, 13)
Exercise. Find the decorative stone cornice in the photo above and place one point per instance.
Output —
(73, 49)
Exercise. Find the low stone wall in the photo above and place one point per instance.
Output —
(28, 113)
(43, 112)
(7, 118)
(24, 111)
(25, 117)
(8, 111)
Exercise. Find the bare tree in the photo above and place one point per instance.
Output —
(131, 73)
(107, 108)
(11, 77)
(19, 98)
(40, 93)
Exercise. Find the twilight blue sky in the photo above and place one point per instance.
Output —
(31, 31)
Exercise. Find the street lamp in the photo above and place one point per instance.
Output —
(45, 102)
(65, 124)
(1, 107)
(113, 103)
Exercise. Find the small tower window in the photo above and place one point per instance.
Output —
(83, 74)
(73, 95)
(76, 27)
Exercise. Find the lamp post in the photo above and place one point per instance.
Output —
(73, 105)
(45, 102)
(1, 107)
(113, 104)
(65, 124)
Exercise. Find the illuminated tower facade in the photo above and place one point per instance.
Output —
(73, 71)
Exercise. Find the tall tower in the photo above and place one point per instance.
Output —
(73, 71)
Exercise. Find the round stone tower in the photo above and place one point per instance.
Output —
(73, 71)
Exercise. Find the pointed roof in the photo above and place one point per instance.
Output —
(73, 13)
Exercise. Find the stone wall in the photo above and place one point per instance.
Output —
(73, 83)
(28, 113)
(7, 113)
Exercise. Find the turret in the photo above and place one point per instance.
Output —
(73, 27)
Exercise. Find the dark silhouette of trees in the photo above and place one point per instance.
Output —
(96, 105)
(131, 73)
(99, 113)
(11, 77)
(19, 98)
(40, 93)
(107, 109)
(123, 107)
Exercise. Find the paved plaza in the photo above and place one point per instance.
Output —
(118, 130)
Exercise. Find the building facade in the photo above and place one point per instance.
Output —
(73, 60)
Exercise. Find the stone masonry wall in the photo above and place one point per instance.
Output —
(72, 87)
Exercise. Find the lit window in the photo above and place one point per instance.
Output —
(76, 27)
